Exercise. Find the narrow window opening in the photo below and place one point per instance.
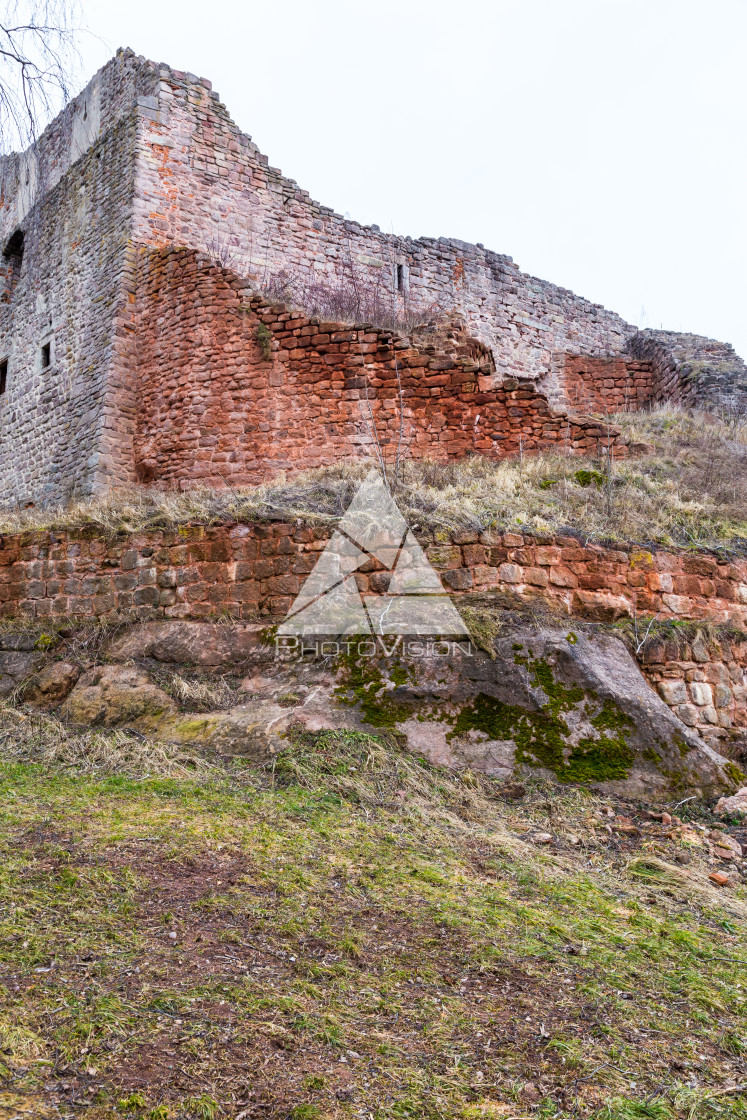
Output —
(3, 375)
(46, 355)
(400, 277)
(13, 254)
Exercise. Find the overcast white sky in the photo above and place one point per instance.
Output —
(601, 143)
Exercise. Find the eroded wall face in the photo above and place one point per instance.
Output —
(203, 184)
(607, 385)
(70, 197)
(232, 390)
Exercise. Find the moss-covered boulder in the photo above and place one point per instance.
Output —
(572, 706)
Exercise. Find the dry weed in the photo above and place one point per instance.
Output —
(42, 739)
(689, 489)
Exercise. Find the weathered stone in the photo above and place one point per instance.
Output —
(701, 694)
(673, 692)
(117, 695)
(189, 643)
(16, 667)
(51, 685)
(736, 804)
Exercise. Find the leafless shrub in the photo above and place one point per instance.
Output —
(38, 63)
(222, 250)
(349, 295)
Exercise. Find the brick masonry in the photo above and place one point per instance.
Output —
(253, 571)
(147, 159)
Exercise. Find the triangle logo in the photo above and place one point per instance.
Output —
(373, 529)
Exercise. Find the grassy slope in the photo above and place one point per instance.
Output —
(357, 935)
(688, 487)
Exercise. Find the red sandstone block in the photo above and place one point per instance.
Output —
(187, 576)
(217, 594)
(574, 555)
(513, 540)
(248, 592)
(287, 584)
(474, 554)
(563, 577)
(278, 606)
(485, 576)
(263, 569)
(213, 572)
(546, 556)
(81, 605)
(659, 581)
(686, 584)
(458, 579)
(304, 563)
(593, 581)
(244, 570)
(194, 593)
(537, 577)
(667, 562)
(444, 557)
(699, 565)
(201, 610)
(726, 590)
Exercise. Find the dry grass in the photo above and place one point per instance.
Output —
(28, 737)
(689, 488)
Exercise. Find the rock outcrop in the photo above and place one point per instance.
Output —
(570, 705)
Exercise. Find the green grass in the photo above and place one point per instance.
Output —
(356, 934)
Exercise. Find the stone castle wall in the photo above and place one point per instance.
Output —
(147, 159)
(70, 197)
(202, 183)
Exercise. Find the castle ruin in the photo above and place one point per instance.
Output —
(137, 236)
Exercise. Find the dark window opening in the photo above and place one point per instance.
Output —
(400, 277)
(13, 254)
(3, 375)
(14, 244)
(46, 355)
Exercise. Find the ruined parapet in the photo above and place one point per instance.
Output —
(691, 370)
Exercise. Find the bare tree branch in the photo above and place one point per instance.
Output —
(38, 63)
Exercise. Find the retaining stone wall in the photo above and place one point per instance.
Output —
(703, 683)
(255, 571)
